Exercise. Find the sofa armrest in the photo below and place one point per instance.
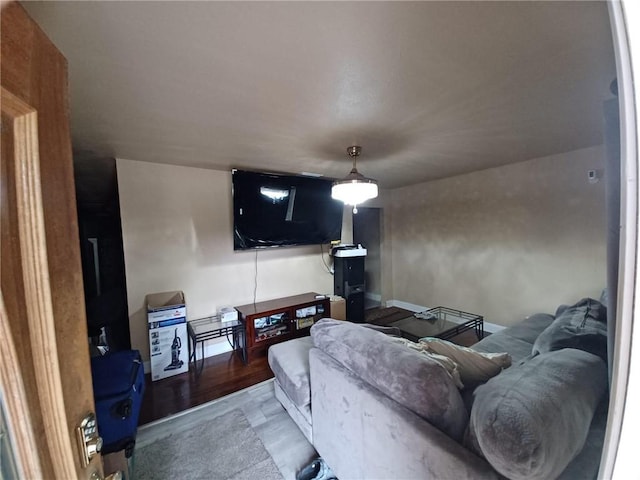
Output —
(362, 433)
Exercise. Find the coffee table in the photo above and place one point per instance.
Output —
(443, 322)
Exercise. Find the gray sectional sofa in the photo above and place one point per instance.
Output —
(373, 408)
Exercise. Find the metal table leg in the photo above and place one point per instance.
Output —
(199, 370)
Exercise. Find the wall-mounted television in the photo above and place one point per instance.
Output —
(277, 210)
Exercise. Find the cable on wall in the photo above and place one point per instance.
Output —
(255, 281)
(328, 268)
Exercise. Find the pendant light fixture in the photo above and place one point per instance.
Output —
(355, 188)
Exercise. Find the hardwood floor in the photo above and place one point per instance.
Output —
(221, 375)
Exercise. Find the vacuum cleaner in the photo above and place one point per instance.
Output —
(175, 353)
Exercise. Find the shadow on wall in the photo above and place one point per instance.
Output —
(139, 332)
(211, 226)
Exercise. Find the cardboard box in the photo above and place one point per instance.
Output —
(167, 319)
(338, 308)
(166, 306)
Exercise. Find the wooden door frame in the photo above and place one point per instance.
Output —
(42, 275)
(15, 401)
(40, 318)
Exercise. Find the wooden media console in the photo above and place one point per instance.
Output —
(282, 319)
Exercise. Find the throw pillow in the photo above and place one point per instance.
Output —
(582, 326)
(532, 420)
(450, 366)
(475, 367)
(416, 381)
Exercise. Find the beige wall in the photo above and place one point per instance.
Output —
(177, 235)
(505, 242)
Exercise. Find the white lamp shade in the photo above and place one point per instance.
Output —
(354, 191)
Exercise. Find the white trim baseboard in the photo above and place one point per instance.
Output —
(373, 296)
(406, 305)
(493, 327)
(211, 349)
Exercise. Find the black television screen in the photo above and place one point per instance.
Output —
(276, 210)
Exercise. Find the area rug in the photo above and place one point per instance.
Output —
(223, 448)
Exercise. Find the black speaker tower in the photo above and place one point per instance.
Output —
(348, 282)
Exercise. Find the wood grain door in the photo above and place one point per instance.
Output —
(44, 357)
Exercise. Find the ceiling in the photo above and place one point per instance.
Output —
(428, 89)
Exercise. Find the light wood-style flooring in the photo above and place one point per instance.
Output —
(221, 375)
(281, 437)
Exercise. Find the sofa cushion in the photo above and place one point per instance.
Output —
(582, 326)
(517, 339)
(518, 349)
(530, 421)
(414, 380)
(475, 367)
(529, 329)
(289, 362)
